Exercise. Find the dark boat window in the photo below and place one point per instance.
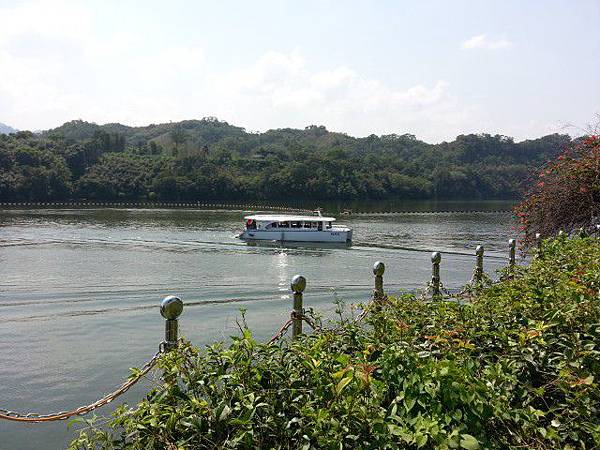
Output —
(307, 225)
(296, 224)
(274, 225)
(284, 224)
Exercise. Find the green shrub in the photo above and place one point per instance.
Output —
(517, 367)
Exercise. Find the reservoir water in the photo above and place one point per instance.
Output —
(79, 289)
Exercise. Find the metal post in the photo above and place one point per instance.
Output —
(478, 274)
(582, 232)
(298, 286)
(512, 246)
(436, 258)
(171, 308)
(538, 243)
(378, 270)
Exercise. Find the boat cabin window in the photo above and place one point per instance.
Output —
(319, 225)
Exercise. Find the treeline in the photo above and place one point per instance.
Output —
(208, 159)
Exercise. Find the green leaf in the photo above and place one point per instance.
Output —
(469, 442)
(409, 403)
(225, 413)
(342, 384)
(420, 439)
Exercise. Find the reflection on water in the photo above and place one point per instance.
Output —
(79, 289)
(282, 264)
(305, 246)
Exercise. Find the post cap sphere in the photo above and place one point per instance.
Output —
(378, 268)
(479, 250)
(512, 242)
(436, 257)
(171, 307)
(538, 236)
(298, 283)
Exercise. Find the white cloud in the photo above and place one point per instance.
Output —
(51, 72)
(281, 90)
(481, 41)
(57, 19)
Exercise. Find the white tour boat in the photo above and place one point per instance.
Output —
(282, 227)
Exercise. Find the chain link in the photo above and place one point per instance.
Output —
(281, 331)
(310, 322)
(474, 285)
(62, 415)
(377, 299)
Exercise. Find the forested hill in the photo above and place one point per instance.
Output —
(208, 159)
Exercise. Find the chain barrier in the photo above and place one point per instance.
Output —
(471, 287)
(429, 291)
(478, 280)
(377, 299)
(475, 284)
(294, 316)
(62, 415)
(311, 323)
(364, 312)
(281, 331)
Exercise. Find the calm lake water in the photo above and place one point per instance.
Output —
(79, 289)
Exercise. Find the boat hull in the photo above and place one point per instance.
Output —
(334, 235)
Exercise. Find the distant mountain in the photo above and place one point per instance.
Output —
(194, 133)
(6, 129)
(193, 137)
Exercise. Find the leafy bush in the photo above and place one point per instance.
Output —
(517, 367)
(567, 194)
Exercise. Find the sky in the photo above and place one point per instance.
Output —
(435, 69)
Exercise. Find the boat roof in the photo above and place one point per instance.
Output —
(290, 218)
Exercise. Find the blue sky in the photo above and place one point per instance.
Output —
(435, 69)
